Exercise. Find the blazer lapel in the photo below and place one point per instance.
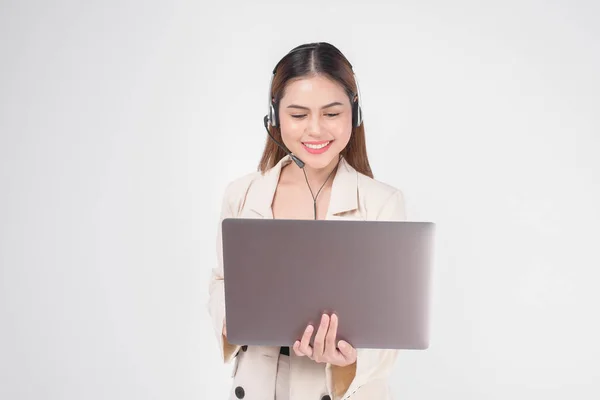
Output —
(260, 195)
(344, 190)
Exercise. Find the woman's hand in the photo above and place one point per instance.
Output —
(325, 349)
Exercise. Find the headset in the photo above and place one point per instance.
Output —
(273, 115)
(272, 118)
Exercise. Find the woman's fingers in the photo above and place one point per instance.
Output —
(347, 351)
(330, 347)
(297, 349)
(305, 342)
(324, 348)
(319, 343)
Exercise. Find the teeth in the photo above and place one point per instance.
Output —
(316, 146)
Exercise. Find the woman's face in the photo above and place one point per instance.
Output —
(315, 117)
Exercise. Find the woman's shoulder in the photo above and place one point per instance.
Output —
(237, 189)
(241, 184)
(379, 196)
(374, 188)
(368, 186)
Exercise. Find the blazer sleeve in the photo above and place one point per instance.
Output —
(216, 301)
(371, 364)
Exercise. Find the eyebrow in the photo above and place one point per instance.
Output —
(335, 103)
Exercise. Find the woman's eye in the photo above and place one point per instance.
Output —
(299, 116)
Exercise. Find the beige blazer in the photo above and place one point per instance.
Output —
(353, 196)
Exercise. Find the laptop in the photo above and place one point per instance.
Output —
(280, 275)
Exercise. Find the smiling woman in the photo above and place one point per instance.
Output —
(314, 99)
(312, 127)
(316, 139)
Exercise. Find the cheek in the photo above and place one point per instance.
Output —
(340, 128)
(342, 139)
(291, 132)
(341, 131)
(291, 126)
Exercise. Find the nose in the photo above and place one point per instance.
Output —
(314, 127)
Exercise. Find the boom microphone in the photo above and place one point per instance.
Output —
(298, 161)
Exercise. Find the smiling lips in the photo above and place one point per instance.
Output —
(317, 147)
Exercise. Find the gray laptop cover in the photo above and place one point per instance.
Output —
(280, 275)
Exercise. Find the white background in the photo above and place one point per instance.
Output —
(121, 122)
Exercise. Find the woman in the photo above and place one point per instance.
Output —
(314, 166)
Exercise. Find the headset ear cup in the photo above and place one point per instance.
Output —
(356, 117)
(276, 113)
(273, 115)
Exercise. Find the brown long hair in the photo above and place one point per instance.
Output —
(309, 60)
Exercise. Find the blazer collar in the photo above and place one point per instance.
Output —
(344, 190)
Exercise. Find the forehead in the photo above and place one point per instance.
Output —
(314, 89)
